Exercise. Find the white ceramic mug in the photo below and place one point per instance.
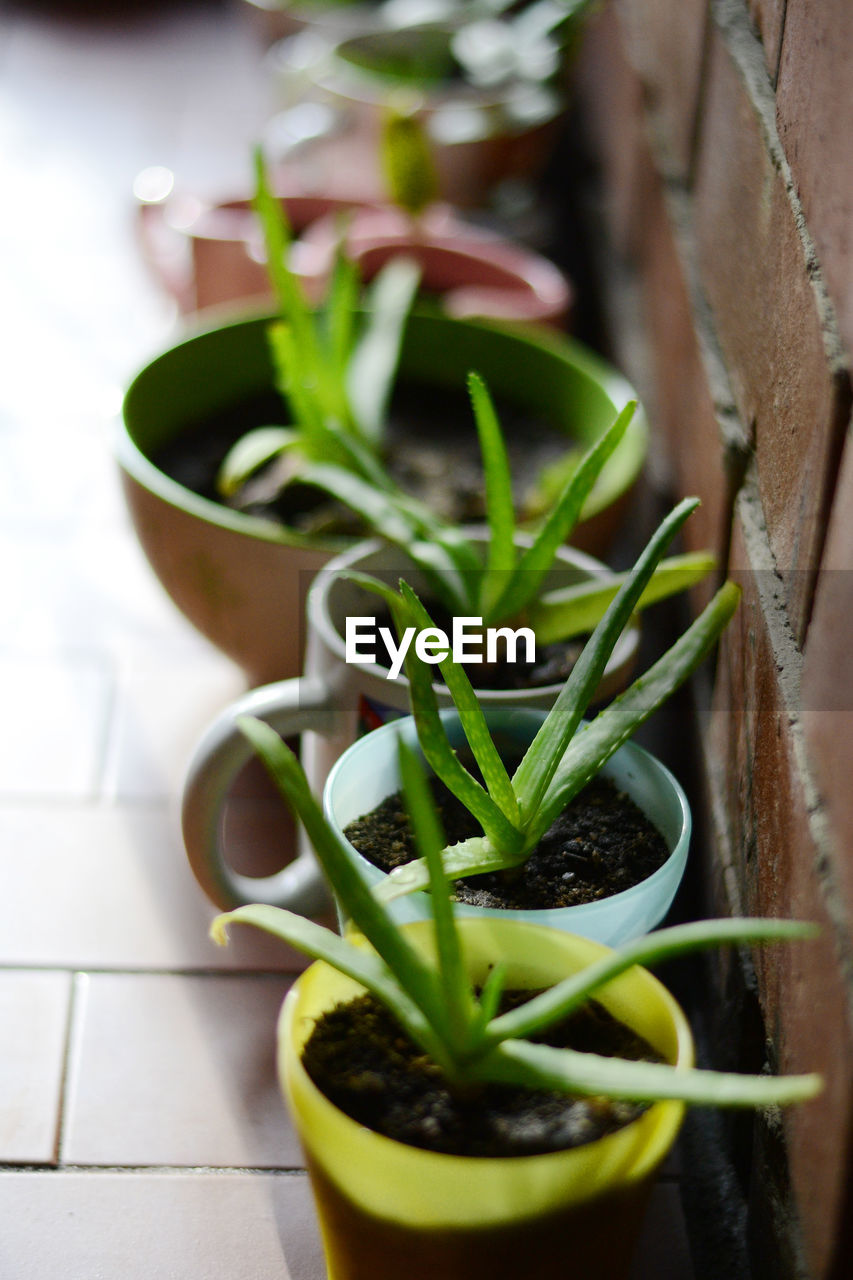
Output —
(331, 705)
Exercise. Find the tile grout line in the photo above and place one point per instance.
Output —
(160, 971)
(76, 1009)
(158, 1170)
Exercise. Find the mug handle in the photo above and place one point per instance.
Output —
(290, 707)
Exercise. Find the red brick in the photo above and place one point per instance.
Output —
(828, 679)
(803, 995)
(611, 98)
(768, 19)
(686, 413)
(815, 118)
(757, 279)
(665, 41)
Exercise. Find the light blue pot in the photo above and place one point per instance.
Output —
(367, 772)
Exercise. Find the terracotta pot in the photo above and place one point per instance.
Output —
(241, 580)
(211, 253)
(388, 1210)
(474, 271)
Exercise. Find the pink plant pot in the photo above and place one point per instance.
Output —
(477, 273)
(211, 253)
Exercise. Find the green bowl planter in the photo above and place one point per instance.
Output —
(367, 773)
(242, 580)
(387, 1209)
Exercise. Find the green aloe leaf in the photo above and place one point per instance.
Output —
(490, 996)
(445, 557)
(470, 857)
(339, 312)
(575, 610)
(373, 365)
(541, 1066)
(498, 487)
(596, 743)
(415, 976)
(473, 720)
(548, 747)
(664, 944)
(445, 763)
(537, 559)
(429, 840)
(251, 452)
(294, 384)
(286, 286)
(319, 943)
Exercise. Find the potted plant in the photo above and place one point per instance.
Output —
(498, 579)
(510, 811)
(242, 580)
(470, 270)
(469, 1007)
(208, 252)
(488, 90)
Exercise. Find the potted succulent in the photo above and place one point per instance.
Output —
(499, 579)
(242, 579)
(465, 1010)
(510, 811)
(513, 811)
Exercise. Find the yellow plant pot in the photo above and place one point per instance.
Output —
(390, 1210)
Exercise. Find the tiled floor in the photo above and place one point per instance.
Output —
(140, 1128)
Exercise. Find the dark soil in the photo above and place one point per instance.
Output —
(432, 453)
(368, 1067)
(601, 844)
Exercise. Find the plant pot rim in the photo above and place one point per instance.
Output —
(630, 454)
(603, 919)
(319, 615)
(498, 105)
(528, 286)
(323, 60)
(626, 1156)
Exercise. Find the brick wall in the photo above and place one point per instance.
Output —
(721, 136)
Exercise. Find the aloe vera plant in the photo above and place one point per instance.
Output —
(333, 367)
(435, 1002)
(506, 584)
(515, 812)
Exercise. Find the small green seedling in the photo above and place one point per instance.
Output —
(515, 812)
(435, 1002)
(334, 366)
(407, 162)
